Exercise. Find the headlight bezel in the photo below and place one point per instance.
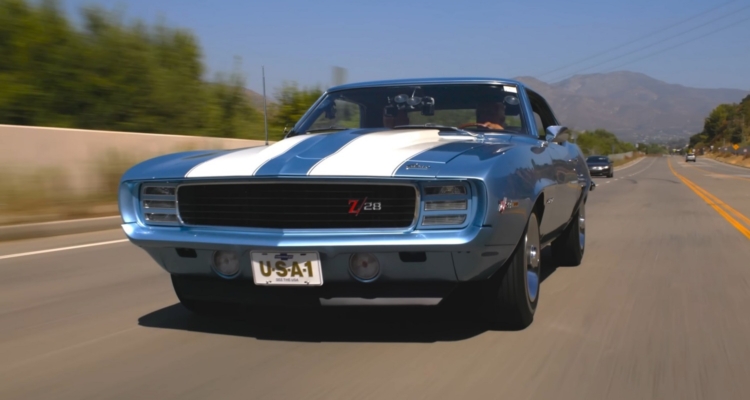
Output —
(149, 193)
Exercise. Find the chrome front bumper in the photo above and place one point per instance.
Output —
(455, 256)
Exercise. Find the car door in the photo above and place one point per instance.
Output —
(565, 164)
(552, 219)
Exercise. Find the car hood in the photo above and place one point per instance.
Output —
(354, 152)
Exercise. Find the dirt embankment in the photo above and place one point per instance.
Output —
(740, 160)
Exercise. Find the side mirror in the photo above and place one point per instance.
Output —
(428, 106)
(557, 134)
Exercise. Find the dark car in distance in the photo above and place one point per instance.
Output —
(600, 166)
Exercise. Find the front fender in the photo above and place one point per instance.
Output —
(514, 178)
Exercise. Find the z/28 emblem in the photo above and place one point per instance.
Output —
(356, 206)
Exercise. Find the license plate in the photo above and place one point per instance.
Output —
(284, 269)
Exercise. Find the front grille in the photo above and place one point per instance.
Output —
(297, 205)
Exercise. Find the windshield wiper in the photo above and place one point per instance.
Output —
(441, 127)
(330, 128)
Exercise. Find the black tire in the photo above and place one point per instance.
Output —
(204, 307)
(512, 294)
(568, 249)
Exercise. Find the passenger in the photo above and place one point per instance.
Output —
(401, 118)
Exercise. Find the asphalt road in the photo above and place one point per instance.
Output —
(658, 310)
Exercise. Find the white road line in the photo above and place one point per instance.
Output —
(629, 165)
(31, 253)
(645, 169)
(634, 173)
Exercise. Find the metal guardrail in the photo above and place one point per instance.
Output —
(741, 150)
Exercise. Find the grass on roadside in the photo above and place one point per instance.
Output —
(46, 194)
(742, 160)
(626, 159)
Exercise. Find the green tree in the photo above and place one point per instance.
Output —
(727, 123)
(293, 102)
(230, 114)
(603, 142)
(112, 75)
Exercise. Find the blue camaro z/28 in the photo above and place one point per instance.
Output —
(387, 193)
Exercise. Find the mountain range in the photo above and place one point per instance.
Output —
(632, 105)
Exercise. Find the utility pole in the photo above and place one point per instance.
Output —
(265, 111)
(338, 76)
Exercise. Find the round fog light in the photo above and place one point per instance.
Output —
(226, 263)
(364, 266)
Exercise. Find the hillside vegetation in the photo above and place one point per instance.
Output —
(603, 142)
(727, 124)
(111, 75)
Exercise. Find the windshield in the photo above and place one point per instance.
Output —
(597, 159)
(496, 107)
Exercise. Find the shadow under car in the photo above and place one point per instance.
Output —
(456, 320)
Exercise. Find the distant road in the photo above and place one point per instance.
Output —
(658, 310)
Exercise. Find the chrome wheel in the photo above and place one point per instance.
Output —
(532, 260)
(513, 293)
(582, 226)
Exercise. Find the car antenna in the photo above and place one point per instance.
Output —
(265, 112)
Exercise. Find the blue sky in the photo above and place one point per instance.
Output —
(300, 40)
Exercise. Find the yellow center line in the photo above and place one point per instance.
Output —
(720, 203)
(715, 203)
(723, 204)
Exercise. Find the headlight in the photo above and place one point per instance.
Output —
(444, 219)
(159, 190)
(441, 205)
(159, 204)
(153, 217)
(446, 205)
(445, 190)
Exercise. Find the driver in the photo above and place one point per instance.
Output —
(490, 114)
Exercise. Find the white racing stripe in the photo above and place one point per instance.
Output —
(380, 154)
(244, 162)
(31, 253)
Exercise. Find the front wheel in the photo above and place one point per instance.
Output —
(513, 293)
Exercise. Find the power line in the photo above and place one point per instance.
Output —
(658, 42)
(639, 38)
(680, 44)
